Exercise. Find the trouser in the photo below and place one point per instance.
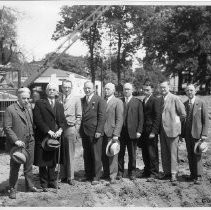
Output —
(169, 152)
(47, 175)
(195, 161)
(92, 156)
(131, 145)
(150, 154)
(110, 164)
(15, 167)
(69, 139)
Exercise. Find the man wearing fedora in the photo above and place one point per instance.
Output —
(18, 127)
(49, 120)
(91, 131)
(73, 114)
(133, 119)
(112, 129)
(195, 131)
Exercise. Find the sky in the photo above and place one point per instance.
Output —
(35, 26)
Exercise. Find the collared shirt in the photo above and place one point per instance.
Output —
(146, 99)
(88, 98)
(128, 99)
(51, 101)
(109, 98)
(192, 100)
(166, 96)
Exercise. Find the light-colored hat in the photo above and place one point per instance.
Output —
(19, 154)
(200, 147)
(53, 83)
(112, 148)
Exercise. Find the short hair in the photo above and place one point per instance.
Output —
(148, 83)
(89, 82)
(67, 81)
(111, 85)
(22, 90)
(130, 84)
(190, 84)
(165, 80)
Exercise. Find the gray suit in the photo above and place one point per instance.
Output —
(113, 127)
(73, 114)
(19, 126)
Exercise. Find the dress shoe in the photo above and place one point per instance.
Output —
(119, 176)
(151, 178)
(198, 180)
(44, 189)
(12, 194)
(54, 186)
(165, 177)
(174, 179)
(32, 189)
(132, 178)
(113, 181)
(144, 175)
(104, 177)
(63, 180)
(71, 182)
(85, 179)
(95, 182)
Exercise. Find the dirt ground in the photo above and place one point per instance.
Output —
(138, 193)
(159, 193)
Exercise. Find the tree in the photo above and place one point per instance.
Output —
(71, 18)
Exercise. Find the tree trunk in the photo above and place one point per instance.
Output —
(180, 81)
(118, 59)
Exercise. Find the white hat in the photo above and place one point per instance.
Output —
(200, 147)
(112, 148)
(53, 83)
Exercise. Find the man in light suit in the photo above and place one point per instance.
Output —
(173, 112)
(91, 131)
(18, 127)
(73, 114)
(131, 131)
(112, 129)
(195, 129)
(149, 138)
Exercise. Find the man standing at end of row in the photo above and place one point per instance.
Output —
(131, 131)
(173, 112)
(92, 130)
(73, 114)
(195, 129)
(112, 129)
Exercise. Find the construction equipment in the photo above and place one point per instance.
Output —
(72, 38)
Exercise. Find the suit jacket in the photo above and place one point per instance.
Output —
(15, 125)
(45, 119)
(93, 116)
(172, 115)
(200, 118)
(152, 115)
(73, 111)
(114, 117)
(133, 117)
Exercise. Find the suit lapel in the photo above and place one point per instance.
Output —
(20, 113)
(88, 106)
(48, 106)
(31, 116)
(109, 104)
(167, 101)
(195, 106)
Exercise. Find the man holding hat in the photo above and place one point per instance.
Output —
(18, 127)
(112, 129)
(195, 131)
(73, 114)
(49, 120)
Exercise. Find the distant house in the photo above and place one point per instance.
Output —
(78, 81)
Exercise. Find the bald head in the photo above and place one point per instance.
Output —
(109, 89)
(128, 89)
(88, 88)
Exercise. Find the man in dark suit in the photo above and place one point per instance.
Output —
(92, 130)
(131, 131)
(149, 138)
(49, 120)
(18, 127)
(195, 129)
(112, 129)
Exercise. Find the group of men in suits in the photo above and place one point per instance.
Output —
(102, 122)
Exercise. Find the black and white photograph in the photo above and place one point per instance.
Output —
(105, 103)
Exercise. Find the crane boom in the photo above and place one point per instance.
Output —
(67, 43)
